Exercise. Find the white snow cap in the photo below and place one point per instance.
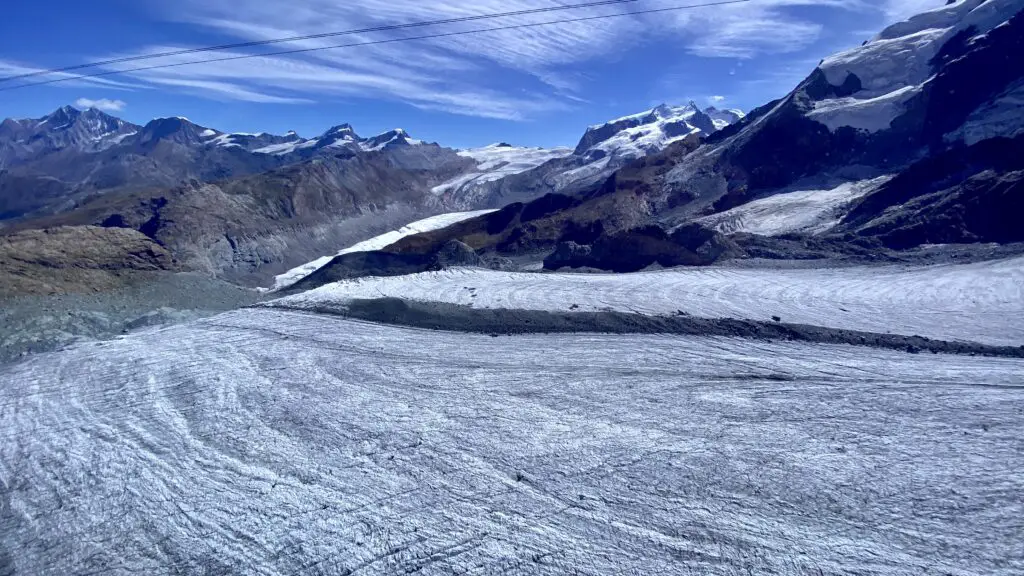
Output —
(893, 66)
(652, 130)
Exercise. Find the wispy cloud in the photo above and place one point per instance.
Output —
(104, 104)
(762, 27)
(508, 74)
(716, 99)
(897, 10)
(10, 68)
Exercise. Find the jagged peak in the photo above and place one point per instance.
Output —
(63, 114)
(346, 127)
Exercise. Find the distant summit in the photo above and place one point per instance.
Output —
(639, 134)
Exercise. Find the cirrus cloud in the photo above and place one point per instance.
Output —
(509, 74)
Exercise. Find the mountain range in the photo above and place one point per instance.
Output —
(247, 206)
(893, 145)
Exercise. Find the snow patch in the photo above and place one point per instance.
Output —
(120, 137)
(225, 141)
(286, 147)
(495, 162)
(812, 211)
(871, 114)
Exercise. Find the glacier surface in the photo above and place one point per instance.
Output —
(272, 442)
(802, 210)
(981, 302)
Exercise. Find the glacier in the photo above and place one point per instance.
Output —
(981, 302)
(273, 442)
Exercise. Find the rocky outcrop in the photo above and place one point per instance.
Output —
(456, 253)
(77, 259)
(638, 248)
(387, 263)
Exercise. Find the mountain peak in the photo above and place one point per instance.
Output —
(176, 128)
(662, 110)
(638, 134)
(340, 136)
(391, 138)
(346, 127)
(63, 115)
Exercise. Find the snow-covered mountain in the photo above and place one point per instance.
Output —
(938, 96)
(723, 118)
(177, 129)
(89, 131)
(498, 161)
(249, 142)
(650, 131)
(342, 136)
(873, 84)
(321, 183)
(507, 174)
(67, 127)
(66, 145)
(915, 138)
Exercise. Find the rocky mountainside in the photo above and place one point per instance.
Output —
(858, 109)
(250, 206)
(58, 162)
(70, 156)
(250, 228)
(862, 157)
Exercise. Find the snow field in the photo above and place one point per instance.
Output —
(813, 211)
(496, 162)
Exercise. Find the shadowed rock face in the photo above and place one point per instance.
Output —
(636, 249)
(966, 194)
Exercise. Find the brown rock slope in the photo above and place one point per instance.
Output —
(77, 259)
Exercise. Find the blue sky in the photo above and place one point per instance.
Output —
(539, 86)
